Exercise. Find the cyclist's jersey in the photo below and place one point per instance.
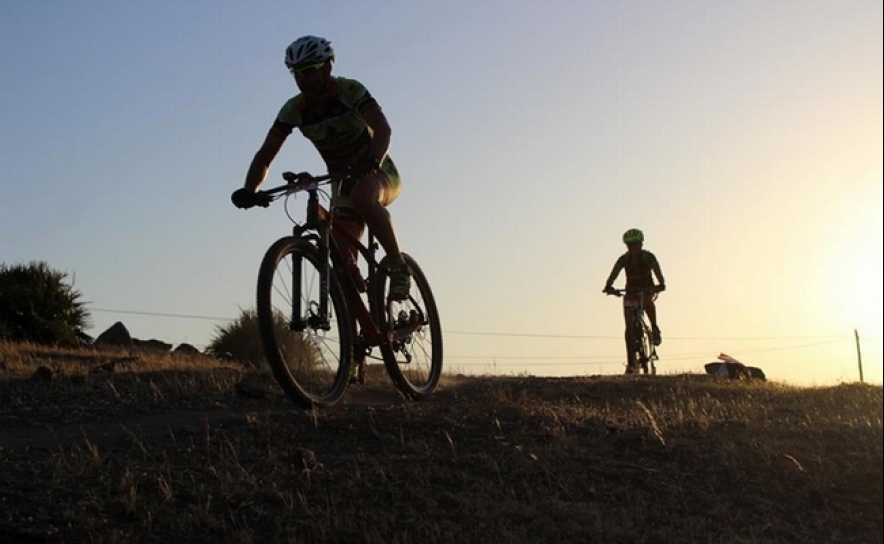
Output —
(638, 269)
(339, 133)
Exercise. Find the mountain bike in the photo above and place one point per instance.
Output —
(642, 345)
(319, 319)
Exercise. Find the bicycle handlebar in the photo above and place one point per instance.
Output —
(296, 183)
(634, 291)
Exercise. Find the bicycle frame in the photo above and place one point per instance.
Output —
(318, 229)
(640, 329)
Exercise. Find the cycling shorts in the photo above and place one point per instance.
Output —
(391, 185)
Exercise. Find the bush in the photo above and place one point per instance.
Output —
(37, 305)
(241, 340)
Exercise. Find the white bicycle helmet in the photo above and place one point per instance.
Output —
(308, 50)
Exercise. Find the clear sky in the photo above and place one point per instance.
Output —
(744, 138)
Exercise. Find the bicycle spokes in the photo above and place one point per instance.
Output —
(413, 350)
(308, 349)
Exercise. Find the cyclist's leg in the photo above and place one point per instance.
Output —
(347, 219)
(370, 196)
(651, 311)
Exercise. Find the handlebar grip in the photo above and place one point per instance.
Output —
(290, 177)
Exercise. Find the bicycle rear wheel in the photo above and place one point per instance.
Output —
(308, 352)
(414, 362)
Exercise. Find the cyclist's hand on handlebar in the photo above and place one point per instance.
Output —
(660, 288)
(608, 290)
(244, 199)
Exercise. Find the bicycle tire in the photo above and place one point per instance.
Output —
(638, 353)
(652, 352)
(646, 350)
(414, 364)
(311, 365)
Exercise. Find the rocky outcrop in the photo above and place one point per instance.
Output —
(117, 335)
(152, 345)
(186, 349)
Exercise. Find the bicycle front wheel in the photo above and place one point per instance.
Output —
(307, 344)
(644, 348)
(639, 360)
(651, 350)
(414, 361)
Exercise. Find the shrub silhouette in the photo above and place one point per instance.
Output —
(241, 340)
(37, 305)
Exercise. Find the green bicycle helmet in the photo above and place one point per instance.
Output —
(633, 235)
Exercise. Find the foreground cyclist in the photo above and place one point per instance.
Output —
(346, 125)
(639, 264)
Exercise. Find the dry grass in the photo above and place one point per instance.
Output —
(164, 450)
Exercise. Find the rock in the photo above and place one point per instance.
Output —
(103, 369)
(116, 335)
(42, 374)
(186, 349)
(110, 366)
(152, 345)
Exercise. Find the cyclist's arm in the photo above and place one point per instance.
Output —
(380, 130)
(612, 277)
(658, 273)
(276, 136)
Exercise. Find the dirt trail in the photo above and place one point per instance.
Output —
(18, 434)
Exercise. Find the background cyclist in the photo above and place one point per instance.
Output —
(346, 125)
(639, 264)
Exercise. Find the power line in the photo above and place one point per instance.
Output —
(533, 335)
(562, 361)
(683, 357)
(620, 337)
(159, 314)
(585, 359)
(593, 359)
(495, 333)
(586, 363)
(532, 357)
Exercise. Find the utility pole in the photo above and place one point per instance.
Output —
(859, 356)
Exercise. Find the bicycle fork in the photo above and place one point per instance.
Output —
(318, 317)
